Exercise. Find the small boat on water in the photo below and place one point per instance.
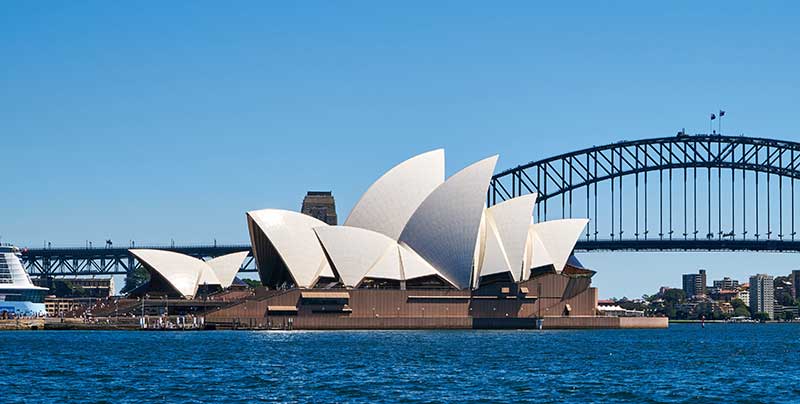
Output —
(18, 295)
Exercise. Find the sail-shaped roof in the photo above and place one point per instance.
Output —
(353, 251)
(184, 273)
(557, 238)
(414, 266)
(495, 260)
(509, 222)
(444, 228)
(388, 266)
(391, 200)
(537, 254)
(227, 266)
(294, 240)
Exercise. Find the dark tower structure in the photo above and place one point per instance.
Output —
(320, 204)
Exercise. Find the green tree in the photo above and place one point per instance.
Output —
(65, 288)
(741, 311)
(736, 303)
(739, 308)
(631, 305)
(134, 279)
(761, 316)
(708, 311)
(675, 296)
(665, 304)
(783, 291)
(253, 283)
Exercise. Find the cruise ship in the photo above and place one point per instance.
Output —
(18, 295)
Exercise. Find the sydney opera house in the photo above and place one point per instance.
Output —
(419, 250)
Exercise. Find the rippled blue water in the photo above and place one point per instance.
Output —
(721, 363)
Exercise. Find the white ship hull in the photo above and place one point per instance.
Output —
(18, 295)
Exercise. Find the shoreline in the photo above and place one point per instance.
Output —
(547, 323)
(555, 323)
(730, 322)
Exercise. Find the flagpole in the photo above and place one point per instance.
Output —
(711, 124)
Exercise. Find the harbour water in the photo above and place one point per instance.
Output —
(685, 363)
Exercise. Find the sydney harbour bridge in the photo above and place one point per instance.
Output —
(678, 193)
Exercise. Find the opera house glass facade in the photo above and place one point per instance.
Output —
(418, 250)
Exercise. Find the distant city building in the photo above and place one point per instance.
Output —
(762, 294)
(60, 306)
(695, 284)
(320, 205)
(725, 307)
(726, 283)
(744, 293)
(782, 312)
(795, 278)
(725, 295)
(77, 287)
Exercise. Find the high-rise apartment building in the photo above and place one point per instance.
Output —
(726, 283)
(795, 278)
(695, 284)
(762, 294)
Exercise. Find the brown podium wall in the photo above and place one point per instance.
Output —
(390, 308)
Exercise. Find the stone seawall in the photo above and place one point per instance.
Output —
(22, 324)
(558, 323)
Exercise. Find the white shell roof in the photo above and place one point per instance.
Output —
(227, 266)
(443, 230)
(353, 251)
(391, 200)
(388, 266)
(480, 247)
(415, 266)
(537, 254)
(208, 277)
(411, 223)
(181, 271)
(510, 221)
(292, 234)
(559, 237)
(495, 260)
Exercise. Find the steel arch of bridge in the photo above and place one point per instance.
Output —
(754, 176)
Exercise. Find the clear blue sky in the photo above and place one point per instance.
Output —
(152, 121)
